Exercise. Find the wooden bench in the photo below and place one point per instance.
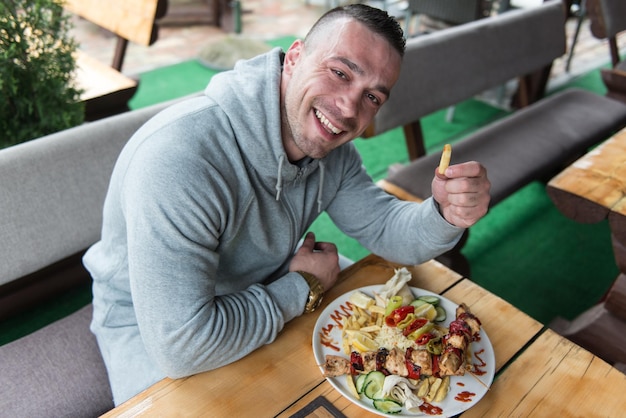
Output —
(106, 91)
(534, 143)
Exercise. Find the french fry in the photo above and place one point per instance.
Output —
(371, 328)
(377, 309)
(445, 158)
(345, 345)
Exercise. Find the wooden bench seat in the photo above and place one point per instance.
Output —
(452, 65)
(106, 90)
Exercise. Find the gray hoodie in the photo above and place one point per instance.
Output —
(201, 219)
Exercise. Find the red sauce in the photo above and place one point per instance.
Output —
(328, 342)
(460, 384)
(345, 313)
(337, 316)
(476, 367)
(464, 396)
(430, 409)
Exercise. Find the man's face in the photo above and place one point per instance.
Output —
(331, 92)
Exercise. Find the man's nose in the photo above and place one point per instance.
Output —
(348, 102)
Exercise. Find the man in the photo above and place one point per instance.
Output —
(208, 201)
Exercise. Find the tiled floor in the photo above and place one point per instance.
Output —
(266, 19)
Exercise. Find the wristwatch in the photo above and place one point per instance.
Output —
(316, 292)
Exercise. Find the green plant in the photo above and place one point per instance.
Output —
(37, 95)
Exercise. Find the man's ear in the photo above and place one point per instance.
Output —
(292, 56)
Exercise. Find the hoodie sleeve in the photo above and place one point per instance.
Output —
(400, 231)
(173, 231)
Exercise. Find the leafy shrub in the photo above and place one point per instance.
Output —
(37, 95)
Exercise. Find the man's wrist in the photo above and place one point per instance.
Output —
(316, 291)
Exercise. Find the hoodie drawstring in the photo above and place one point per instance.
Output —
(320, 188)
(279, 182)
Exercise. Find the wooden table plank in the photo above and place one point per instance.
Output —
(594, 184)
(555, 377)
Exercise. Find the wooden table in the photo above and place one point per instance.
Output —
(591, 190)
(537, 371)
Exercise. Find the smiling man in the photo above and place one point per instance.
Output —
(332, 88)
(199, 263)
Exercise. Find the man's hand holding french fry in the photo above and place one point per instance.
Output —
(461, 190)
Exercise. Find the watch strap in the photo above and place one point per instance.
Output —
(316, 292)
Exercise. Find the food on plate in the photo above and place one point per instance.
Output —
(462, 331)
(445, 158)
(398, 352)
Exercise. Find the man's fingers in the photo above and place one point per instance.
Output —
(325, 247)
(466, 169)
(309, 241)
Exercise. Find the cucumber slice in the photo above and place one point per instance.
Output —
(373, 385)
(433, 300)
(418, 302)
(441, 314)
(360, 382)
(388, 406)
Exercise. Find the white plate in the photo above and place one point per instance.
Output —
(328, 330)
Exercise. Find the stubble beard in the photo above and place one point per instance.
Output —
(293, 130)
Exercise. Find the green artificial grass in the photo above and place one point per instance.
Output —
(523, 250)
(181, 79)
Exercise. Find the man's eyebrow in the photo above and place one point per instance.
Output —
(354, 67)
(351, 65)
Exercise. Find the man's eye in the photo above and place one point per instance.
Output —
(373, 98)
(340, 73)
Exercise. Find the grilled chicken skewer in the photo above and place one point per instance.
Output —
(462, 331)
(415, 362)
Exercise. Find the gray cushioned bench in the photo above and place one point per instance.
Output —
(53, 190)
(446, 67)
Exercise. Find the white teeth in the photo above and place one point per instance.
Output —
(327, 123)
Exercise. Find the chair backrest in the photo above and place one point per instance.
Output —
(133, 21)
(446, 67)
(607, 19)
(450, 11)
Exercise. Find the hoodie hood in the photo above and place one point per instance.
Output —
(249, 95)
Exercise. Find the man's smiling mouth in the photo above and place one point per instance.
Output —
(327, 123)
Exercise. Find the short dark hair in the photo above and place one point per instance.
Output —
(376, 20)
